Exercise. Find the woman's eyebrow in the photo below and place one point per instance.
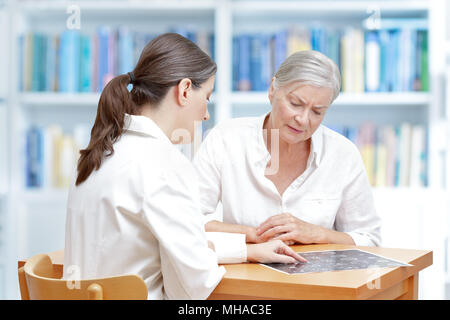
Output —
(303, 101)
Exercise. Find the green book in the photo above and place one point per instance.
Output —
(424, 76)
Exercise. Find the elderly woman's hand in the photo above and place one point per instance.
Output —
(289, 229)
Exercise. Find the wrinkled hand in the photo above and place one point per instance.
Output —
(274, 251)
(287, 228)
(252, 237)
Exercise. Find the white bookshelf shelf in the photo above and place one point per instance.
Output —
(398, 8)
(51, 99)
(347, 99)
(130, 7)
(237, 98)
(59, 99)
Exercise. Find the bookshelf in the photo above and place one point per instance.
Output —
(25, 207)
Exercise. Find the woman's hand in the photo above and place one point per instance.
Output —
(287, 228)
(251, 235)
(274, 251)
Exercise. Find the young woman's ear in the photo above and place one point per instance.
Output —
(184, 89)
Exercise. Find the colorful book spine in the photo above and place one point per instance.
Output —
(51, 63)
(103, 59)
(235, 64)
(244, 83)
(34, 163)
(69, 55)
(85, 64)
(256, 63)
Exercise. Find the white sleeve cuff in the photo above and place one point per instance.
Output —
(361, 240)
(229, 247)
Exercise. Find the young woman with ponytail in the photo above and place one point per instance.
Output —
(134, 206)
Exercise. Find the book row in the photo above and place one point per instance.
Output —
(77, 62)
(391, 59)
(51, 155)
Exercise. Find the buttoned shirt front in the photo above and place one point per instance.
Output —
(139, 214)
(333, 191)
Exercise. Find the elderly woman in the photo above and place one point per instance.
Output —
(284, 175)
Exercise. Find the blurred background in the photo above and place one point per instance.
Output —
(57, 55)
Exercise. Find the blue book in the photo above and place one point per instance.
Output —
(125, 51)
(212, 47)
(85, 63)
(280, 46)
(43, 39)
(235, 62)
(403, 59)
(351, 133)
(21, 46)
(412, 60)
(255, 63)
(383, 36)
(103, 56)
(69, 63)
(34, 163)
(319, 39)
(36, 61)
(265, 76)
(333, 47)
(395, 60)
(244, 83)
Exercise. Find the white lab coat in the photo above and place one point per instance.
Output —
(139, 214)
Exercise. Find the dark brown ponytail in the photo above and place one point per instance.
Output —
(164, 62)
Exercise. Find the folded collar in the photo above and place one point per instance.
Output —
(316, 142)
(144, 126)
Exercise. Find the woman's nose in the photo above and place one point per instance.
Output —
(301, 117)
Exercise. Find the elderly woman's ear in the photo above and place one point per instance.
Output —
(271, 90)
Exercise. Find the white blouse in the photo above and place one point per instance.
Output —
(333, 191)
(140, 214)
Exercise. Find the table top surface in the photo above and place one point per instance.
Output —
(252, 276)
(346, 278)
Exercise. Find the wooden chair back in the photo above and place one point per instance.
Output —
(39, 281)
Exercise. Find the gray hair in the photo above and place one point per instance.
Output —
(310, 67)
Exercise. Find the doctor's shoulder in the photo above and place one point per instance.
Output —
(160, 160)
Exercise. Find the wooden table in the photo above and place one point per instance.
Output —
(253, 281)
